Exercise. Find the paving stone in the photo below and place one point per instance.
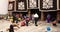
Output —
(31, 28)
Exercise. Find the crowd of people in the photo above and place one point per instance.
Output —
(19, 20)
(23, 20)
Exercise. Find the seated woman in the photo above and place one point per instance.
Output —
(22, 22)
(15, 25)
(54, 23)
(11, 29)
(59, 21)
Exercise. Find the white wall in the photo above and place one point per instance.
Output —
(3, 7)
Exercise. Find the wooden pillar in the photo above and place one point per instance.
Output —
(9, 13)
(42, 16)
(3, 7)
(29, 12)
(15, 6)
(58, 15)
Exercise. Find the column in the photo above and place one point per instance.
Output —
(15, 6)
(42, 16)
(57, 16)
(57, 4)
(3, 7)
(29, 12)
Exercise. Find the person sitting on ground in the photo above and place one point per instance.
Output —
(59, 21)
(27, 20)
(54, 23)
(11, 29)
(22, 22)
(15, 25)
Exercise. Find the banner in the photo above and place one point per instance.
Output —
(48, 4)
(33, 4)
(21, 5)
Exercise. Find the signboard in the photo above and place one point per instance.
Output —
(21, 5)
(33, 4)
(48, 4)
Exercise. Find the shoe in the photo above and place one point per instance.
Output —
(36, 25)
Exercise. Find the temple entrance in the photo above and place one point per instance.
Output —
(33, 11)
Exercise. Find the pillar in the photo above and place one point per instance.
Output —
(3, 7)
(29, 12)
(15, 6)
(42, 16)
(58, 15)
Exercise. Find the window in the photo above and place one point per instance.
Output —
(47, 4)
(21, 5)
(11, 6)
(33, 3)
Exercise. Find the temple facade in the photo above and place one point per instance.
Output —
(42, 7)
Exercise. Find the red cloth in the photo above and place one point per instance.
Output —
(27, 18)
(22, 23)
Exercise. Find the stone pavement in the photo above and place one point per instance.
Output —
(31, 28)
(4, 25)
